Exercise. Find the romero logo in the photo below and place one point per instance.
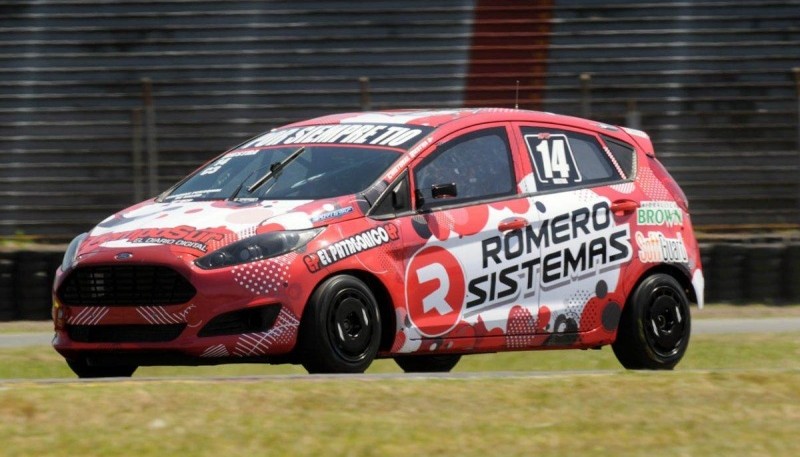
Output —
(434, 291)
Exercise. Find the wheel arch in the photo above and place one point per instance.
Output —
(382, 297)
(678, 273)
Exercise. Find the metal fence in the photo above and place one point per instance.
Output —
(104, 102)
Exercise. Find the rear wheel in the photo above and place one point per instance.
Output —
(655, 325)
(439, 363)
(84, 370)
(341, 327)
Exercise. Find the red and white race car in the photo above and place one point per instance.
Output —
(416, 235)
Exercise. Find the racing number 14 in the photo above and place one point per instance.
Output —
(554, 160)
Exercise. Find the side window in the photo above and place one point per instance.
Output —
(478, 164)
(563, 159)
(624, 155)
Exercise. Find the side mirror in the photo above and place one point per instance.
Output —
(448, 190)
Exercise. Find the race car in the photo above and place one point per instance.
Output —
(415, 235)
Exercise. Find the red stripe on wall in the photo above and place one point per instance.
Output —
(510, 40)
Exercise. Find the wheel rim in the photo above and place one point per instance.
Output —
(665, 326)
(350, 326)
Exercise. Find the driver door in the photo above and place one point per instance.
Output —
(464, 239)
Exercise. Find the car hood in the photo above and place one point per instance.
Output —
(200, 227)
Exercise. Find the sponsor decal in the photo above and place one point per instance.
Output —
(434, 291)
(659, 213)
(657, 248)
(183, 236)
(332, 214)
(241, 153)
(350, 246)
(367, 134)
(406, 159)
(557, 251)
(194, 194)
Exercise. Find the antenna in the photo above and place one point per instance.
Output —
(516, 97)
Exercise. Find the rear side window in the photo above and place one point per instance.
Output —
(564, 159)
(623, 154)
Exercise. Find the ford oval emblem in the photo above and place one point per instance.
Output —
(123, 256)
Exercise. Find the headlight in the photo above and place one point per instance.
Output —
(72, 251)
(257, 248)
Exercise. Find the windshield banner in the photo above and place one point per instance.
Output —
(396, 136)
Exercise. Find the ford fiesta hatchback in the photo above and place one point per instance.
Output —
(416, 235)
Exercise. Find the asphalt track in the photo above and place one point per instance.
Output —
(475, 375)
(699, 327)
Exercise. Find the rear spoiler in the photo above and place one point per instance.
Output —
(641, 139)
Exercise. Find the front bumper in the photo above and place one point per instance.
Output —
(242, 313)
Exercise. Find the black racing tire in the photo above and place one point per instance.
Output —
(428, 363)
(655, 325)
(84, 370)
(341, 327)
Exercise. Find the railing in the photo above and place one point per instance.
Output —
(711, 81)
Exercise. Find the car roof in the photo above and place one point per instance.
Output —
(464, 117)
(437, 118)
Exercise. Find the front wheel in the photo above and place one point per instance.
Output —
(655, 325)
(84, 370)
(341, 327)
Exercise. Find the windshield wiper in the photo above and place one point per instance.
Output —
(275, 169)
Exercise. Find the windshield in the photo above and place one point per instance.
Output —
(316, 172)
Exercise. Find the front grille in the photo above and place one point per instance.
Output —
(137, 333)
(125, 285)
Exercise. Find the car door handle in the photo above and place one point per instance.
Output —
(620, 207)
(514, 223)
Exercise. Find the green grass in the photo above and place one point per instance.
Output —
(745, 401)
(620, 414)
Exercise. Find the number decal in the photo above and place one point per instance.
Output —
(560, 164)
(553, 159)
(216, 166)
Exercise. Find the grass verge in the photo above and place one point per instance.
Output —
(620, 413)
(746, 403)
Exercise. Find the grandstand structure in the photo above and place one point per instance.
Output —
(104, 102)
